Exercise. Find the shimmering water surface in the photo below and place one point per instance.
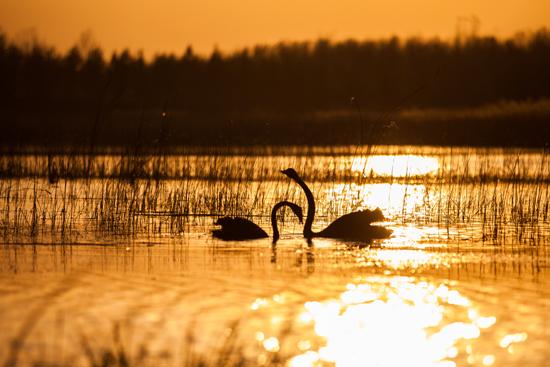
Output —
(105, 271)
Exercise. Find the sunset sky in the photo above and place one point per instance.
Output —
(170, 25)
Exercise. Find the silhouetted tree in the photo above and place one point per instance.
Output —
(286, 81)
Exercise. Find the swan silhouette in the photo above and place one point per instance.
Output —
(241, 229)
(355, 226)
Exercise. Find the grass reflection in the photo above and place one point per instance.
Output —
(397, 321)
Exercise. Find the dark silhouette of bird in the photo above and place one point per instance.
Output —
(355, 226)
(241, 229)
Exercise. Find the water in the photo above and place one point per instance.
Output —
(462, 282)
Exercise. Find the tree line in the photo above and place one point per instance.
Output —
(42, 85)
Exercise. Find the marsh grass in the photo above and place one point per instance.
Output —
(497, 194)
(117, 351)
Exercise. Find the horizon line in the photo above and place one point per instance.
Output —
(28, 38)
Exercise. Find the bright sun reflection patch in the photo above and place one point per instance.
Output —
(394, 199)
(395, 165)
(396, 321)
(403, 259)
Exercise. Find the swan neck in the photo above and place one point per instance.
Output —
(308, 233)
(274, 220)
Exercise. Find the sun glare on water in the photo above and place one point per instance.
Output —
(396, 321)
(393, 198)
(395, 165)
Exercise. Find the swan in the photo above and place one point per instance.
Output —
(355, 226)
(240, 229)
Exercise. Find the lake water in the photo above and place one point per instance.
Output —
(116, 271)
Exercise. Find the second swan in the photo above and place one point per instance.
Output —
(355, 226)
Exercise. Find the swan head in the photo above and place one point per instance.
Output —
(291, 173)
(297, 209)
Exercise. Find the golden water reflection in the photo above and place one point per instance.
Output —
(395, 321)
(395, 200)
(395, 165)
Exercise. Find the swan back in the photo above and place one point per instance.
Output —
(235, 229)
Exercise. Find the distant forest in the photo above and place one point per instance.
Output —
(286, 93)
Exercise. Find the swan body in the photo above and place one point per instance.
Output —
(238, 229)
(355, 226)
(242, 229)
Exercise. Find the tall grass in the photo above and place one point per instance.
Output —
(498, 194)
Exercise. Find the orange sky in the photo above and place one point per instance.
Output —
(170, 25)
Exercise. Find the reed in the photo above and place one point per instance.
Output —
(503, 196)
